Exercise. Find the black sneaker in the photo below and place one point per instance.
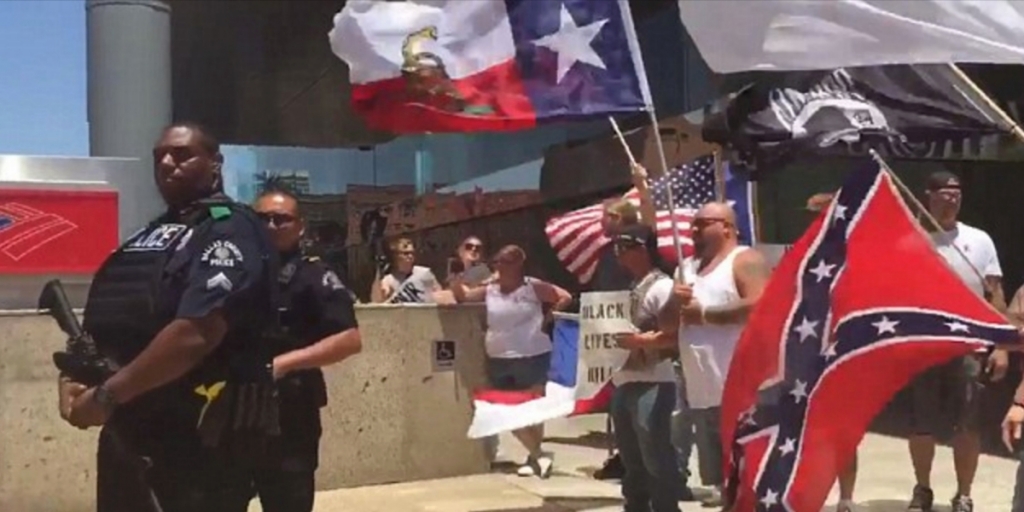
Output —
(611, 470)
(686, 494)
(714, 499)
(922, 499)
(963, 504)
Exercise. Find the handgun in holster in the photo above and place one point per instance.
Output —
(240, 410)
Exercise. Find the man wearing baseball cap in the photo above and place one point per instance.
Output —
(645, 389)
(955, 386)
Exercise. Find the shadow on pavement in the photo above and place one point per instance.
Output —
(592, 439)
(563, 504)
(890, 506)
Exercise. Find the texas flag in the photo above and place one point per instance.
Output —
(498, 411)
(489, 65)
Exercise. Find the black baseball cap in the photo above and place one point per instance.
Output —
(942, 179)
(635, 234)
(638, 235)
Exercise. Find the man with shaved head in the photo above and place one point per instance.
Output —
(719, 286)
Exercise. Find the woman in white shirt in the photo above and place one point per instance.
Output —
(518, 350)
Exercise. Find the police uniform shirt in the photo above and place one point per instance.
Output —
(225, 269)
(320, 305)
(177, 268)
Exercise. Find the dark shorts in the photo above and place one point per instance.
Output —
(948, 396)
(519, 373)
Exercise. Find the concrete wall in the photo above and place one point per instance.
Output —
(392, 417)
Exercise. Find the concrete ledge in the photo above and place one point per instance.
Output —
(393, 415)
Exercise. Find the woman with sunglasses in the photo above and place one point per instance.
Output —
(469, 263)
(518, 349)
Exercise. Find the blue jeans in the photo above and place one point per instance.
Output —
(642, 415)
(682, 427)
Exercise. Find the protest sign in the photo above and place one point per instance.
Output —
(602, 316)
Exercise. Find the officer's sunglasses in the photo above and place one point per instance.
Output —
(277, 219)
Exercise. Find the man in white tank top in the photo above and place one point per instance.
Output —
(720, 285)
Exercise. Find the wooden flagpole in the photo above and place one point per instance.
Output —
(1015, 129)
(664, 172)
(668, 187)
(622, 140)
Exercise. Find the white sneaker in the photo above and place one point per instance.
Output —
(544, 465)
(844, 506)
(526, 469)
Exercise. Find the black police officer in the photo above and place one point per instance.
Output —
(319, 329)
(182, 307)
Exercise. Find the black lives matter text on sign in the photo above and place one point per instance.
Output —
(602, 316)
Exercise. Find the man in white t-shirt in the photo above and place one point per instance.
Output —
(955, 387)
(645, 390)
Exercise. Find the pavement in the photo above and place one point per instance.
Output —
(884, 481)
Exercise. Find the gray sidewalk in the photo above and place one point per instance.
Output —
(884, 482)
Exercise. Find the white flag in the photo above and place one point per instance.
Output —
(743, 35)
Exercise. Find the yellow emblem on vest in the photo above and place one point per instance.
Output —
(209, 394)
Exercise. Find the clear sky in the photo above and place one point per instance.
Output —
(42, 78)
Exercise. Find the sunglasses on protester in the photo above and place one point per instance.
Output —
(703, 222)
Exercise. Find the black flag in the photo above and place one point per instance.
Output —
(898, 109)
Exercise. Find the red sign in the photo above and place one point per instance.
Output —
(56, 231)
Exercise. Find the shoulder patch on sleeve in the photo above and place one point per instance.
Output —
(222, 253)
(220, 212)
(331, 280)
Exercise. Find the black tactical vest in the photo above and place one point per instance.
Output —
(131, 298)
(298, 328)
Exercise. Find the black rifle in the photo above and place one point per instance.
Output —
(80, 361)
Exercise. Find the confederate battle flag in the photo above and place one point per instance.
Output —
(860, 305)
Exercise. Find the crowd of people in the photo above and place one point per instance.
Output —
(689, 317)
(218, 326)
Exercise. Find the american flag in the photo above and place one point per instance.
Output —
(578, 239)
(836, 334)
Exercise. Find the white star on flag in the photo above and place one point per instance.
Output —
(572, 43)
